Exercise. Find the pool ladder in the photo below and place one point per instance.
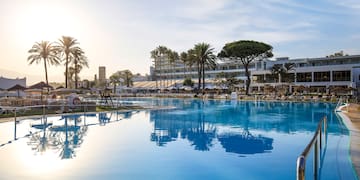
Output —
(318, 142)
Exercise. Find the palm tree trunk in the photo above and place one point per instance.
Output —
(66, 70)
(156, 67)
(184, 69)
(46, 75)
(199, 74)
(203, 76)
(246, 66)
(160, 72)
(76, 80)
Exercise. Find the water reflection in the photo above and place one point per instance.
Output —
(245, 143)
(63, 138)
(232, 124)
(198, 124)
(168, 128)
(69, 131)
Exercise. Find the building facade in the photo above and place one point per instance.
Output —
(322, 75)
(102, 74)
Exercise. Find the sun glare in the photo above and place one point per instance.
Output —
(42, 21)
(46, 163)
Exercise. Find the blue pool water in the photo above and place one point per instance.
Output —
(189, 139)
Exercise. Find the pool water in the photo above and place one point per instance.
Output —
(185, 139)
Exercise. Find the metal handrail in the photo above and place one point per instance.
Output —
(338, 104)
(317, 142)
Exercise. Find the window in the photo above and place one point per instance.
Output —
(288, 77)
(321, 76)
(232, 67)
(341, 76)
(303, 77)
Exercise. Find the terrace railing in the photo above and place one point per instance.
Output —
(318, 143)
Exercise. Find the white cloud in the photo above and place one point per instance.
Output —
(350, 4)
(278, 36)
(200, 9)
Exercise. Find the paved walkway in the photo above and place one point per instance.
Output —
(353, 123)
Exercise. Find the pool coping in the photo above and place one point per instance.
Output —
(354, 140)
(144, 108)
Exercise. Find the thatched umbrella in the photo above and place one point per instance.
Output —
(65, 91)
(350, 89)
(269, 89)
(283, 88)
(337, 89)
(17, 88)
(40, 85)
(300, 88)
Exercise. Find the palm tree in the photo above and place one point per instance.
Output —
(277, 70)
(127, 76)
(282, 71)
(183, 58)
(67, 46)
(46, 52)
(79, 60)
(191, 59)
(70, 76)
(205, 57)
(288, 67)
(115, 79)
(173, 56)
(158, 55)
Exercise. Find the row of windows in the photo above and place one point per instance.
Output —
(194, 68)
(305, 77)
(300, 77)
(166, 67)
(324, 76)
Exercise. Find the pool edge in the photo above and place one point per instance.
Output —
(354, 146)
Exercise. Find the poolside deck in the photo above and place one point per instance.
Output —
(353, 113)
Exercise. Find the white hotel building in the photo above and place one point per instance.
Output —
(318, 74)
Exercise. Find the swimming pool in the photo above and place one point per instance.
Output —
(194, 139)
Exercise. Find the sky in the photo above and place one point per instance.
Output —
(119, 34)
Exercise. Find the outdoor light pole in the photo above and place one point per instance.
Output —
(15, 124)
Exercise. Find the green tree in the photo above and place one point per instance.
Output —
(288, 67)
(127, 76)
(67, 46)
(46, 52)
(227, 80)
(277, 70)
(70, 76)
(79, 60)
(281, 72)
(159, 54)
(205, 57)
(188, 82)
(246, 52)
(173, 56)
(115, 79)
(183, 58)
(188, 60)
